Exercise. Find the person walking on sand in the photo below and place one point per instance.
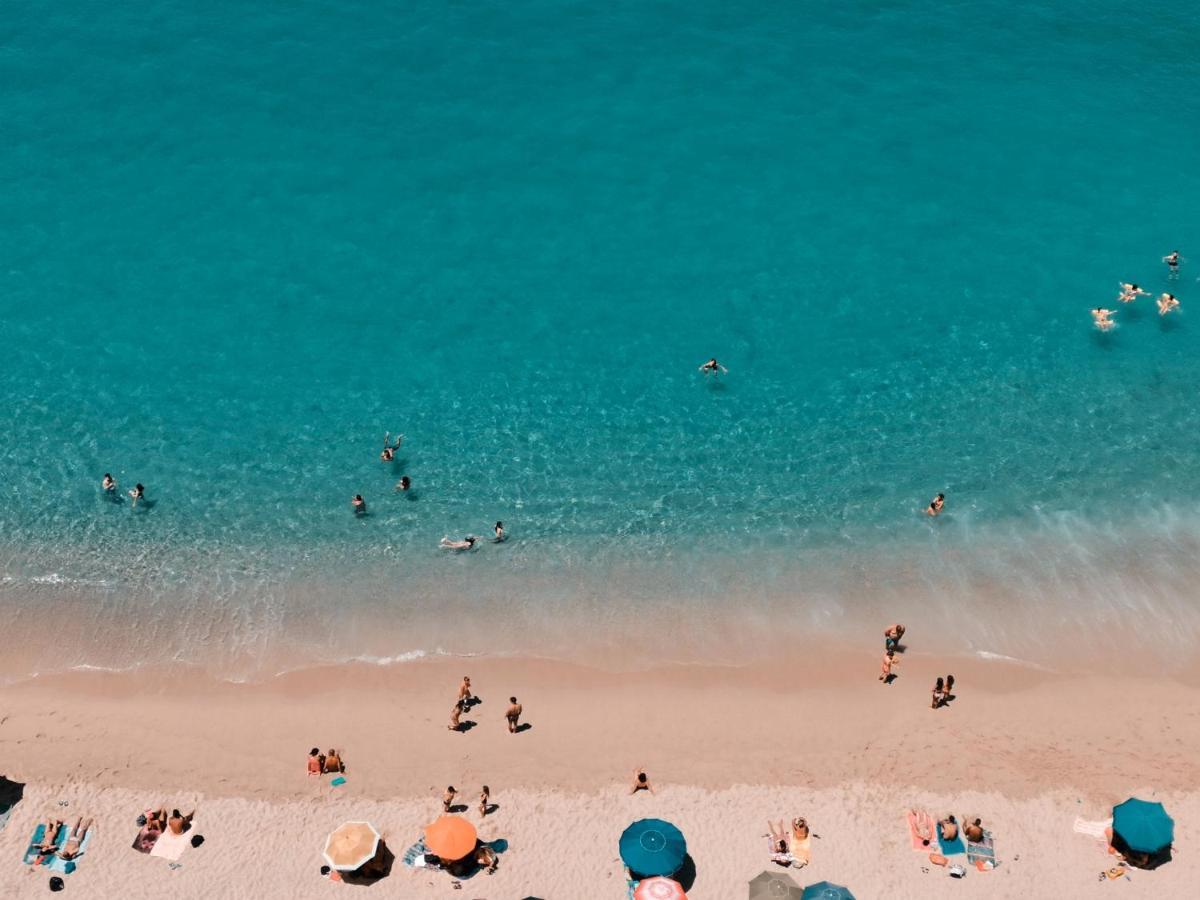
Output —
(513, 715)
(939, 693)
(891, 637)
(465, 698)
(886, 666)
(712, 367)
(485, 797)
(640, 781)
(448, 798)
(1166, 303)
(456, 717)
(935, 505)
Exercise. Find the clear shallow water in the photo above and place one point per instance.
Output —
(237, 247)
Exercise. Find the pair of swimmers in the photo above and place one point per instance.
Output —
(469, 542)
(109, 486)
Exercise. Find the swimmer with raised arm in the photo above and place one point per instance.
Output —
(1130, 292)
(458, 546)
(712, 367)
(1102, 318)
(1173, 260)
(138, 493)
(388, 453)
(1166, 303)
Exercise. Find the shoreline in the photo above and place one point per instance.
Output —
(821, 737)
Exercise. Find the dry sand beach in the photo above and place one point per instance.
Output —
(726, 748)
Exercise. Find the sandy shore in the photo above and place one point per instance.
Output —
(1027, 751)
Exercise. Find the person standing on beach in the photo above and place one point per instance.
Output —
(485, 797)
(891, 637)
(465, 697)
(935, 505)
(513, 715)
(885, 667)
(448, 798)
(455, 717)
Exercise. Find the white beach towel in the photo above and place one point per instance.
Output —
(1091, 829)
(170, 845)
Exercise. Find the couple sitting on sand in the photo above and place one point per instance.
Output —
(71, 846)
(324, 763)
(155, 822)
(795, 850)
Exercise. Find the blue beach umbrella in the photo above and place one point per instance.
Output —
(1143, 826)
(823, 890)
(653, 847)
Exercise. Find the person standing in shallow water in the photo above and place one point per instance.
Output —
(404, 483)
(138, 493)
(1172, 260)
(359, 505)
(712, 367)
(935, 505)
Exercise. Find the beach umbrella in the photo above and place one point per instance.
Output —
(450, 837)
(774, 886)
(659, 889)
(1143, 832)
(823, 890)
(653, 847)
(353, 845)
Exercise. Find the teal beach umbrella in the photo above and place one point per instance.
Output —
(653, 847)
(1142, 826)
(823, 890)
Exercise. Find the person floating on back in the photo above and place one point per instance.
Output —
(1103, 318)
(1167, 303)
(1130, 292)
(935, 505)
(712, 367)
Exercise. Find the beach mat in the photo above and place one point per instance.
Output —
(951, 848)
(915, 839)
(984, 851)
(32, 853)
(67, 866)
(802, 851)
(171, 845)
(414, 856)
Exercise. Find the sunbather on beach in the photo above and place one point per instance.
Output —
(316, 761)
(781, 853)
(486, 857)
(48, 843)
(974, 831)
(179, 823)
(924, 827)
(640, 781)
(448, 798)
(948, 828)
(333, 762)
(70, 849)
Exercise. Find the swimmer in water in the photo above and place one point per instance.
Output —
(404, 483)
(712, 367)
(109, 485)
(935, 505)
(465, 544)
(1166, 303)
(138, 493)
(388, 453)
(498, 530)
(1130, 292)
(1172, 260)
(359, 504)
(1101, 318)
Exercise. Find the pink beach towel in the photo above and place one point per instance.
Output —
(924, 820)
(170, 845)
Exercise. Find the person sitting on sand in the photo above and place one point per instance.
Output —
(1101, 317)
(781, 853)
(486, 858)
(935, 505)
(333, 763)
(178, 823)
(359, 505)
(974, 831)
(1130, 292)
(948, 828)
(404, 483)
(799, 830)
(149, 833)
(891, 637)
(640, 781)
(885, 667)
(712, 367)
(465, 544)
(70, 849)
(316, 761)
(513, 714)
(1167, 303)
(448, 798)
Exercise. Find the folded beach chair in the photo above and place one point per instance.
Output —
(950, 848)
(39, 834)
(67, 866)
(984, 851)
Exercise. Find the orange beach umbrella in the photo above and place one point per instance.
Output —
(353, 845)
(659, 889)
(450, 837)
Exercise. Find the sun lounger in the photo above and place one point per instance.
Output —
(950, 848)
(984, 851)
(67, 866)
(925, 820)
(171, 845)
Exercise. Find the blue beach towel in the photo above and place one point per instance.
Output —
(985, 849)
(950, 848)
(415, 852)
(39, 833)
(67, 866)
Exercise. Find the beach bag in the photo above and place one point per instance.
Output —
(957, 872)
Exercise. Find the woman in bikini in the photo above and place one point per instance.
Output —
(71, 849)
(316, 761)
(781, 853)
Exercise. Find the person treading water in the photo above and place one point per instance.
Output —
(138, 493)
(1130, 292)
(1102, 318)
(465, 544)
(404, 483)
(935, 505)
(1166, 303)
(388, 453)
(498, 530)
(712, 367)
(359, 505)
(1173, 260)
(109, 485)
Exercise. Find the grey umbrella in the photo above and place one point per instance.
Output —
(774, 886)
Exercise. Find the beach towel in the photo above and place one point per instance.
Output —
(170, 845)
(67, 866)
(984, 851)
(802, 851)
(414, 856)
(950, 848)
(39, 834)
(1094, 830)
(925, 821)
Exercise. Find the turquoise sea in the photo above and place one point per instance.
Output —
(239, 242)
